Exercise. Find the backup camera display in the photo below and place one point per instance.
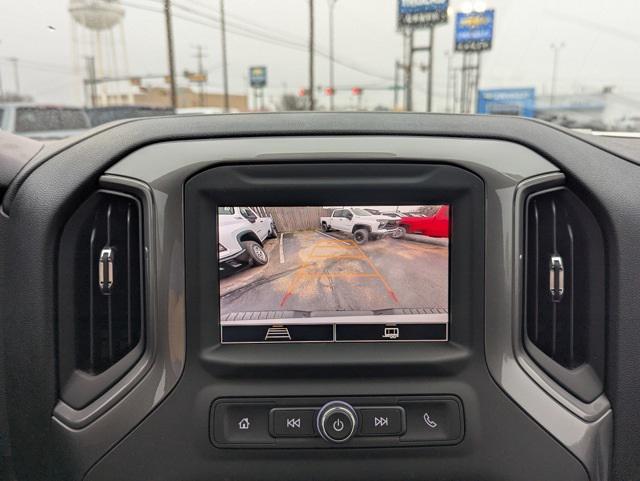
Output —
(334, 274)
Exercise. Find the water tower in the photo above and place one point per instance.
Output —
(100, 50)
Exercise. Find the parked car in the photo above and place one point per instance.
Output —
(102, 115)
(362, 224)
(436, 225)
(395, 215)
(242, 233)
(43, 122)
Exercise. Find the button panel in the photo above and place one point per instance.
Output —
(338, 423)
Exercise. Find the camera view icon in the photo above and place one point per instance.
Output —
(391, 333)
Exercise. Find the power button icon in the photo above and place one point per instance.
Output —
(337, 421)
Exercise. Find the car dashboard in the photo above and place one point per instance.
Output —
(502, 347)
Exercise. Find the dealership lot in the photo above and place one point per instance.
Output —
(315, 272)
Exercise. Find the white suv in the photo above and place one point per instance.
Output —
(241, 233)
(361, 223)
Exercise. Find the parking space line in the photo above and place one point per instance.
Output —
(281, 248)
(382, 278)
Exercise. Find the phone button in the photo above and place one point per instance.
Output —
(436, 420)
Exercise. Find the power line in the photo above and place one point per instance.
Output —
(245, 29)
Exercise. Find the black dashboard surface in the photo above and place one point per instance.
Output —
(52, 185)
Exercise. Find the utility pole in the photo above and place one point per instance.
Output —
(1, 88)
(16, 74)
(408, 98)
(225, 75)
(172, 66)
(201, 74)
(430, 70)
(556, 49)
(332, 79)
(396, 87)
(448, 107)
(90, 82)
(311, 48)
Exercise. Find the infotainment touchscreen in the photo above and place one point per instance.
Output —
(334, 274)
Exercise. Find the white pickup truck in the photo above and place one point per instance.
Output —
(362, 224)
(241, 233)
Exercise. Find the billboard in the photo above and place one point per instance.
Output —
(421, 13)
(258, 77)
(514, 101)
(474, 31)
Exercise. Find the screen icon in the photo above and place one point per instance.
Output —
(277, 333)
(391, 333)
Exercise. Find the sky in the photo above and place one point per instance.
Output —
(600, 39)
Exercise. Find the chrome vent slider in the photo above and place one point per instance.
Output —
(105, 270)
(556, 278)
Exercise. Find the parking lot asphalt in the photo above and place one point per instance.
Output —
(310, 271)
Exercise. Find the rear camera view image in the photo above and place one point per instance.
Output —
(334, 274)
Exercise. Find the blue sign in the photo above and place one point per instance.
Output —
(520, 102)
(474, 31)
(422, 13)
(258, 77)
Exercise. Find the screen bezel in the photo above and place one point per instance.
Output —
(366, 182)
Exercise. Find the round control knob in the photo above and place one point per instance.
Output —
(337, 421)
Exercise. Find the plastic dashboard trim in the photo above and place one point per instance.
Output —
(578, 157)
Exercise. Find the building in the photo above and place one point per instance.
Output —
(187, 99)
(597, 111)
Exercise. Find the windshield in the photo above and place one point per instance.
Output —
(357, 211)
(99, 61)
(39, 119)
(225, 210)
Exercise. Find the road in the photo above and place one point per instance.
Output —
(309, 271)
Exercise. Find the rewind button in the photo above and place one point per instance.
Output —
(292, 422)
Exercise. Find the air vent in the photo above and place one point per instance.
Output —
(564, 291)
(101, 295)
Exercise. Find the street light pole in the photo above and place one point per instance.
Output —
(16, 74)
(172, 65)
(556, 49)
(225, 75)
(311, 48)
(332, 4)
(430, 70)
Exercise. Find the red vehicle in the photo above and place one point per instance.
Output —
(436, 225)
